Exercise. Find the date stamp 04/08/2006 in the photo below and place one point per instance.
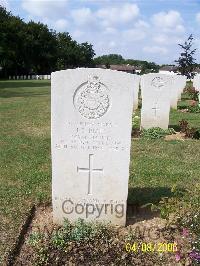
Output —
(151, 247)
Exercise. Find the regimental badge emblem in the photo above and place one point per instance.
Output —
(158, 83)
(92, 99)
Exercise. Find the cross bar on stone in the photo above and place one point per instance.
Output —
(90, 171)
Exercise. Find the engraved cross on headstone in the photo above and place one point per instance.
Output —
(90, 171)
(155, 109)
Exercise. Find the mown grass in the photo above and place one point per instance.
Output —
(25, 166)
(24, 152)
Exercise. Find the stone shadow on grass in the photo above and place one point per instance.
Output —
(138, 197)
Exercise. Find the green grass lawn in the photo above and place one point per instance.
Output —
(26, 166)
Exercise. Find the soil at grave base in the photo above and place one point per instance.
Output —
(152, 231)
(177, 136)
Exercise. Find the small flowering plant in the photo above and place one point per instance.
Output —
(183, 210)
(136, 121)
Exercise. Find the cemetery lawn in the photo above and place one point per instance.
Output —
(25, 165)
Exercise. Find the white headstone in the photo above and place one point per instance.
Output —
(24, 76)
(9, 77)
(91, 138)
(48, 76)
(156, 96)
(183, 80)
(136, 92)
(196, 85)
(175, 91)
(17, 77)
(196, 82)
(29, 77)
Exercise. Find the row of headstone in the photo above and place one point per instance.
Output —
(91, 137)
(196, 82)
(159, 92)
(156, 100)
(27, 77)
(196, 85)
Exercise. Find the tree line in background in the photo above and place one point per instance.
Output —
(115, 59)
(29, 48)
(33, 48)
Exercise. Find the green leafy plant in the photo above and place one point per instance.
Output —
(190, 132)
(34, 239)
(156, 133)
(183, 125)
(182, 107)
(193, 133)
(194, 109)
(37, 241)
(135, 121)
(183, 210)
(193, 93)
(135, 126)
(65, 241)
(197, 134)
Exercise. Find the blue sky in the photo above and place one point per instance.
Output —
(138, 29)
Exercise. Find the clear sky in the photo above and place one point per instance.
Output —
(138, 29)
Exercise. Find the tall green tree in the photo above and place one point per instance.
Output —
(186, 61)
(86, 54)
(72, 54)
(67, 51)
(11, 42)
(40, 48)
(27, 48)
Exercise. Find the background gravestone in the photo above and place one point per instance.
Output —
(91, 137)
(136, 92)
(196, 85)
(183, 80)
(196, 82)
(175, 91)
(156, 96)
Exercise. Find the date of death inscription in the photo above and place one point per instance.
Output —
(92, 136)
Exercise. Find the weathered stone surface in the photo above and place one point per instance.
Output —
(91, 138)
(156, 96)
(196, 82)
(136, 91)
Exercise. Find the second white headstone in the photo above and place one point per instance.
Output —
(156, 96)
